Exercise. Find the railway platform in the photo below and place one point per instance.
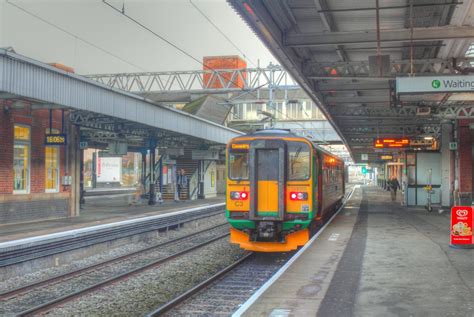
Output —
(376, 258)
(99, 210)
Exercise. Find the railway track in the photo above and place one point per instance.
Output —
(221, 294)
(28, 251)
(44, 295)
(224, 292)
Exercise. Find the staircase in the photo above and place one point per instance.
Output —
(190, 169)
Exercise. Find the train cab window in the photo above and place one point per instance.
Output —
(299, 161)
(239, 165)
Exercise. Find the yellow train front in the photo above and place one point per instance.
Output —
(280, 188)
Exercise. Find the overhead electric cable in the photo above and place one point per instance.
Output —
(222, 33)
(180, 49)
(73, 35)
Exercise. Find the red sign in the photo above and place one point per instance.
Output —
(461, 225)
(382, 143)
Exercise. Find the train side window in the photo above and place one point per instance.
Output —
(239, 165)
(299, 161)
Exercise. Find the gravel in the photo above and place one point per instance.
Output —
(224, 296)
(30, 299)
(142, 293)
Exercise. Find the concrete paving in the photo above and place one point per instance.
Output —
(376, 258)
(99, 210)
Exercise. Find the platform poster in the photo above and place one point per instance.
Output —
(461, 225)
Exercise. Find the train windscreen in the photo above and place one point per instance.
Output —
(299, 161)
(239, 165)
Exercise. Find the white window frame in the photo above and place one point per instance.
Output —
(27, 143)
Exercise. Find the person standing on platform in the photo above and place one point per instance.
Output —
(182, 182)
(393, 184)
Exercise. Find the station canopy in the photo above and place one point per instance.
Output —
(348, 61)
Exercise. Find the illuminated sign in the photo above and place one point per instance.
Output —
(382, 143)
(240, 146)
(55, 139)
(386, 157)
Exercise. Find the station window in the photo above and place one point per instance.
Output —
(21, 159)
(51, 165)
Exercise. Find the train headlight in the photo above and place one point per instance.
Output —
(239, 195)
(298, 196)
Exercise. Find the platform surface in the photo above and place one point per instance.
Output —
(99, 210)
(376, 258)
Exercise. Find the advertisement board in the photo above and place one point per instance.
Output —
(109, 169)
(461, 225)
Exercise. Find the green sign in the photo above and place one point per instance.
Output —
(364, 170)
(426, 84)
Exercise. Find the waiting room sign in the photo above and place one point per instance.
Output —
(461, 226)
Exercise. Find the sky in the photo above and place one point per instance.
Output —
(101, 40)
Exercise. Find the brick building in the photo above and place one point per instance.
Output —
(31, 173)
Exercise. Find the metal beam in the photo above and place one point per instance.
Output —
(450, 111)
(386, 36)
(351, 86)
(355, 69)
(199, 81)
(432, 4)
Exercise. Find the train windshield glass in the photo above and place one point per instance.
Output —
(239, 165)
(299, 162)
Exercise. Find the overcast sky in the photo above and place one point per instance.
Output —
(95, 22)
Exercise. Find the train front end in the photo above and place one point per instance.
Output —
(270, 191)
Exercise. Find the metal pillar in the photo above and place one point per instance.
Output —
(152, 199)
(446, 171)
(82, 200)
(201, 180)
(94, 170)
(143, 174)
(161, 176)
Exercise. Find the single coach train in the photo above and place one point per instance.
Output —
(280, 188)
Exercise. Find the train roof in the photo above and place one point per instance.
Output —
(283, 133)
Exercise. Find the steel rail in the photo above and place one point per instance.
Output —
(181, 298)
(68, 275)
(68, 297)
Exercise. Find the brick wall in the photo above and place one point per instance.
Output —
(36, 205)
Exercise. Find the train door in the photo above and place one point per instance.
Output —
(267, 179)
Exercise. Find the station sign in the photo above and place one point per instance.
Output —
(434, 84)
(83, 145)
(386, 157)
(55, 139)
(205, 154)
(382, 143)
(461, 225)
(175, 151)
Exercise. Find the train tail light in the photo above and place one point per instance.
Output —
(298, 196)
(239, 195)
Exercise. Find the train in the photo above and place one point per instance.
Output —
(280, 188)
